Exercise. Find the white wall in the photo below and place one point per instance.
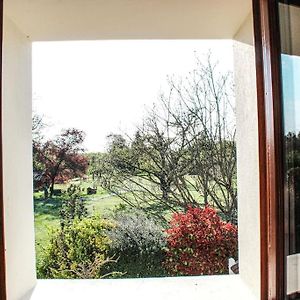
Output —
(17, 154)
(127, 19)
(17, 162)
(247, 157)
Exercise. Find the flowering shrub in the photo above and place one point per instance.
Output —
(200, 243)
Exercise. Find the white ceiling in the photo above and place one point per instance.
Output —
(127, 19)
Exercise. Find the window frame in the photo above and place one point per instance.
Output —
(267, 50)
(269, 95)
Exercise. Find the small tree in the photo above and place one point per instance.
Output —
(200, 243)
(73, 207)
(94, 161)
(61, 158)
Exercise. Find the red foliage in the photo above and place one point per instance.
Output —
(200, 243)
(60, 159)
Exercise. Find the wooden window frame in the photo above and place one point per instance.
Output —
(267, 50)
(271, 168)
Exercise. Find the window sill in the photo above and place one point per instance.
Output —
(204, 287)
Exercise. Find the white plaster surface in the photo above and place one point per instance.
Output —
(247, 157)
(226, 287)
(45, 20)
(128, 19)
(17, 162)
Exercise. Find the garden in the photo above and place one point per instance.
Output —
(160, 202)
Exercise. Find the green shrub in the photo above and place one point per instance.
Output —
(78, 250)
(72, 207)
(138, 242)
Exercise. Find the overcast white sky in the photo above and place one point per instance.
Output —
(102, 87)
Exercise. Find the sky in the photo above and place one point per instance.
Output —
(104, 87)
(291, 92)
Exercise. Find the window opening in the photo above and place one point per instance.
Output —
(134, 159)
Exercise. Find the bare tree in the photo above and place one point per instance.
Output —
(38, 125)
(205, 100)
(184, 152)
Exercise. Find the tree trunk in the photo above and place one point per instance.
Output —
(165, 188)
(52, 187)
(205, 192)
(205, 197)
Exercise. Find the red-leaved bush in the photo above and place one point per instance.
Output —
(200, 243)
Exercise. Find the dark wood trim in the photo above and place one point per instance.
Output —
(2, 246)
(267, 49)
(294, 296)
(291, 2)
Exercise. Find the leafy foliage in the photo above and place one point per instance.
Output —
(94, 163)
(200, 243)
(61, 158)
(79, 250)
(73, 207)
(139, 243)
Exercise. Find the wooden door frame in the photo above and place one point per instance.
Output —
(271, 170)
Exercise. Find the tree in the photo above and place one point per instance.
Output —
(201, 109)
(205, 100)
(184, 150)
(119, 153)
(145, 172)
(61, 158)
(38, 125)
(94, 161)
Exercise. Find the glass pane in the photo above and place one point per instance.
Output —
(290, 63)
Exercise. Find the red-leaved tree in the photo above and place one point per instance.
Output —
(61, 158)
(200, 243)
